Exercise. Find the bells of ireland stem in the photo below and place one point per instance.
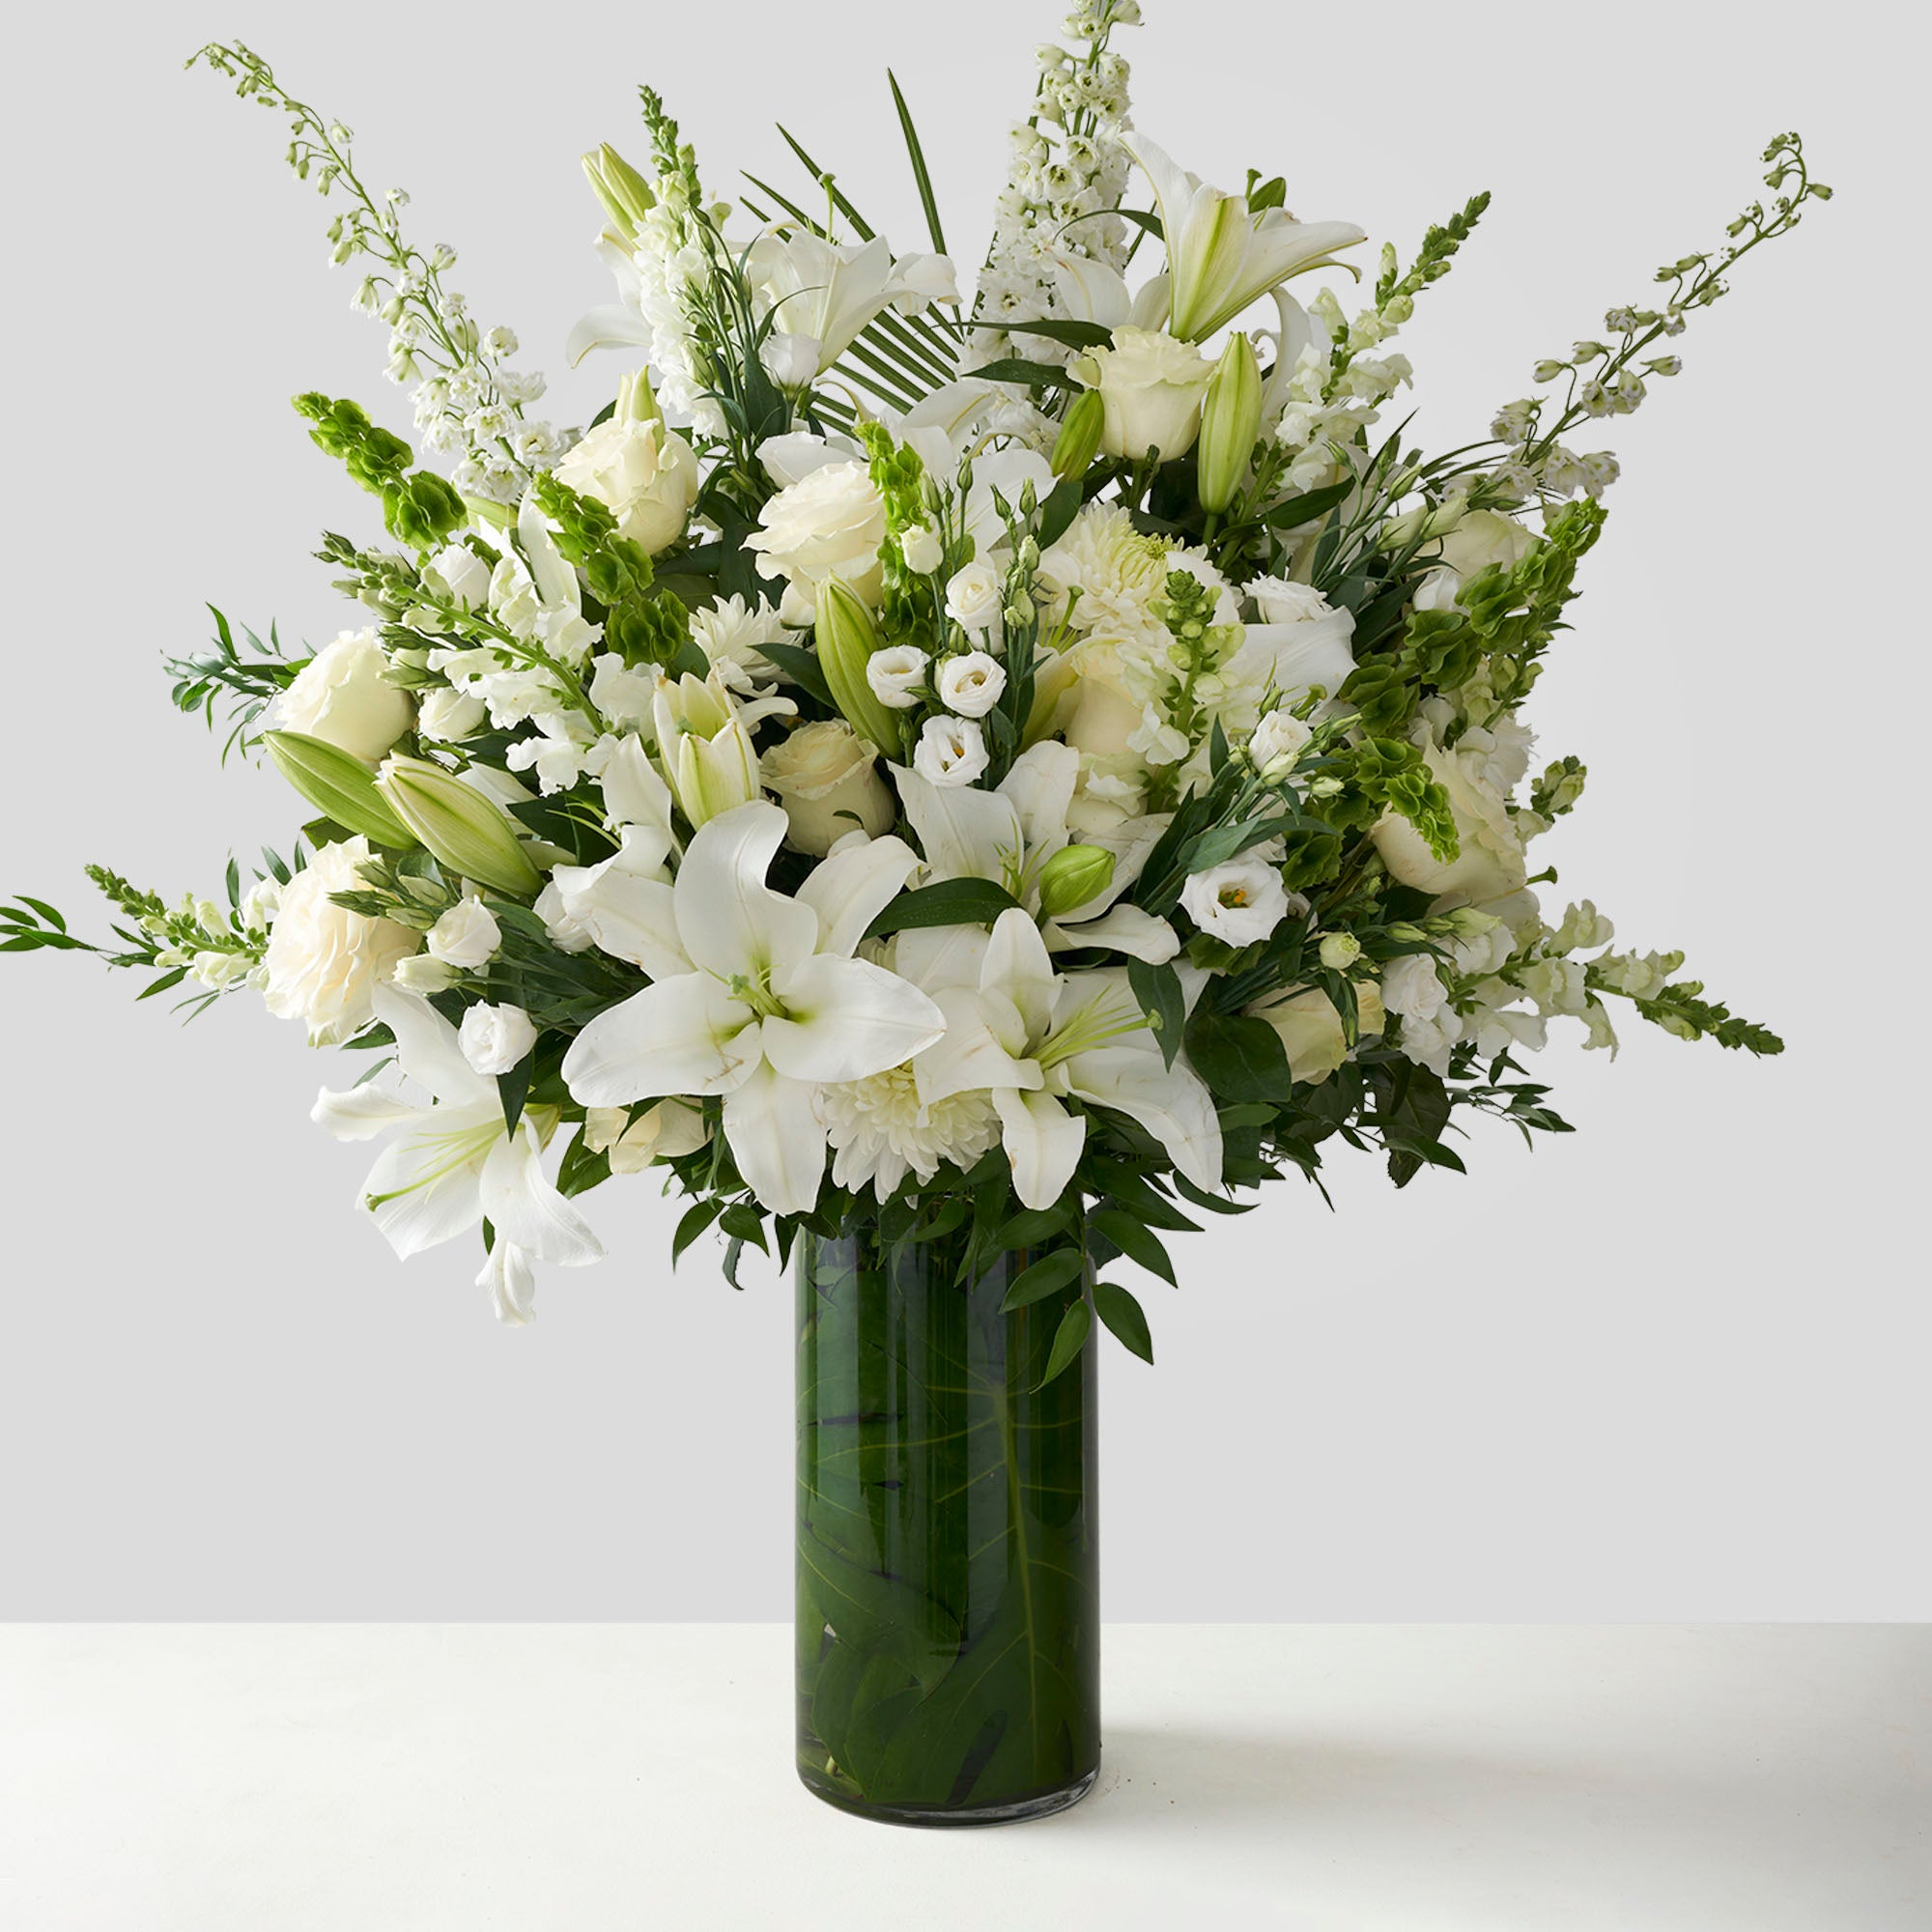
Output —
(1073, 876)
(625, 193)
(847, 637)
(468, 834)
(1230, 418)
(1079, 437)
(339, 786)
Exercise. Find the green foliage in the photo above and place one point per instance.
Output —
(248, 683)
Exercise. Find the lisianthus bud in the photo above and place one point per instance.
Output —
(1339, 951)
(1079, 437)
(341, 787)
(1230, 418)
(1074, 875)
(847, 637)
(470, 833)
(625, 193)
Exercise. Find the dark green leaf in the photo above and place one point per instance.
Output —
(1057, 513)
(1044, 1277)
(1240, 1058)
(695, 1222)
(919, 173)
(1158, 990)
(1135, 1241)
(802, 667)
(1067, 1339)
(1074, 334)
(513, 1089)
(1305, 509)
(1017, 369)
(1125, 1316)
(950, 902)
(1031, 1226)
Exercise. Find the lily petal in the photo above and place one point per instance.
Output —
(984, 1048)
(777, 1139)
(964, 832)
(512, 1284)
(730, 922)
(848, 1019)
(1127, 928)
(423, 1189)
(364, 1112)
(1018, 966)
(1170, 1102)
(607, 325)
(526, 1210)
(1042, 1143)
(428, 1052)
(851, 888)
(682, 1035)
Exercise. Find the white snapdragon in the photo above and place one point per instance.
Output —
(971, 684)
(951, 751)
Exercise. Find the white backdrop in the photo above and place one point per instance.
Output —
(1672, 1366)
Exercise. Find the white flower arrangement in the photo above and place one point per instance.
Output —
(920, 757)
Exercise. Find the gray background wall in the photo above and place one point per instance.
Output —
(1671, 1365)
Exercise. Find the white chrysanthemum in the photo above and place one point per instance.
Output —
(731, 634)
(880, 1132)
(1117, 569)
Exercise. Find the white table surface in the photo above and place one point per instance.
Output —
(567, 1778)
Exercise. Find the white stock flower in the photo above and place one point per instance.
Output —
(826, 779)
(1238, 902)
(466, 936)
(971, 683)
(1150, 390)
(643, 473)
(896, 675)
(951, 751)
(323, 963)
(829, 524)
(496, 1038)
(455, 1163)
(974, 596)
(771, 1004)
(342, 698)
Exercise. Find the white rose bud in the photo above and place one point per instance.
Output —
(1150, 386)
(1237, 903)
(896, 675)
(466, 936)
(342, 698)
(951, 751)
(824, 777)
(496, 1038)
(971, 684)
(829, 524)
(974, 597)
(921, 549)
(1279, 740)
(643, 473)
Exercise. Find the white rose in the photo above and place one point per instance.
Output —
(1281, 602)
(1150, 388)
(1490, 862)
(462, 574)
(1483, 537)
(1099, 711)
(828, 525)
(896, 675)
(1279, 740)
(975, 597)
(971, 683)
(451, 716)
(1310, 1028)
(643, 473)
(951, 751)
(823, 775)
(340, 696)
(465, 936)
(325, 962)
(1237, 903)
(921, 549)
(660, 1133)
(496, 1038)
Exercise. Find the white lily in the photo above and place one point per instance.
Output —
(1036, 1038)
(1221, 255)
(618, 325)
(827, 292)
(771, 1004)
(454, 1163)
(1009, 834)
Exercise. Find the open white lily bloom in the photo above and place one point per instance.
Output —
(826, 292)
(771, 1004)
(1036, 1038)
(454, 1163)
(1008, 835)
(618, 325)
(1221, 256)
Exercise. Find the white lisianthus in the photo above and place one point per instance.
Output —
(975, 597)
(1279, 740)
(1151, 389)
(663, 1132)
(896, 675)
(1238, 902)
(790, 360)
(496, 1038)
(951, 751)
(921, 549)
(1489, 863)
(643, 473)
(325, 962)
(971, 683)
(824, 775)
(424, 976)
(342, 698)
(466, 936)
(830, 523)
(449, 716)
(1282, 601)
